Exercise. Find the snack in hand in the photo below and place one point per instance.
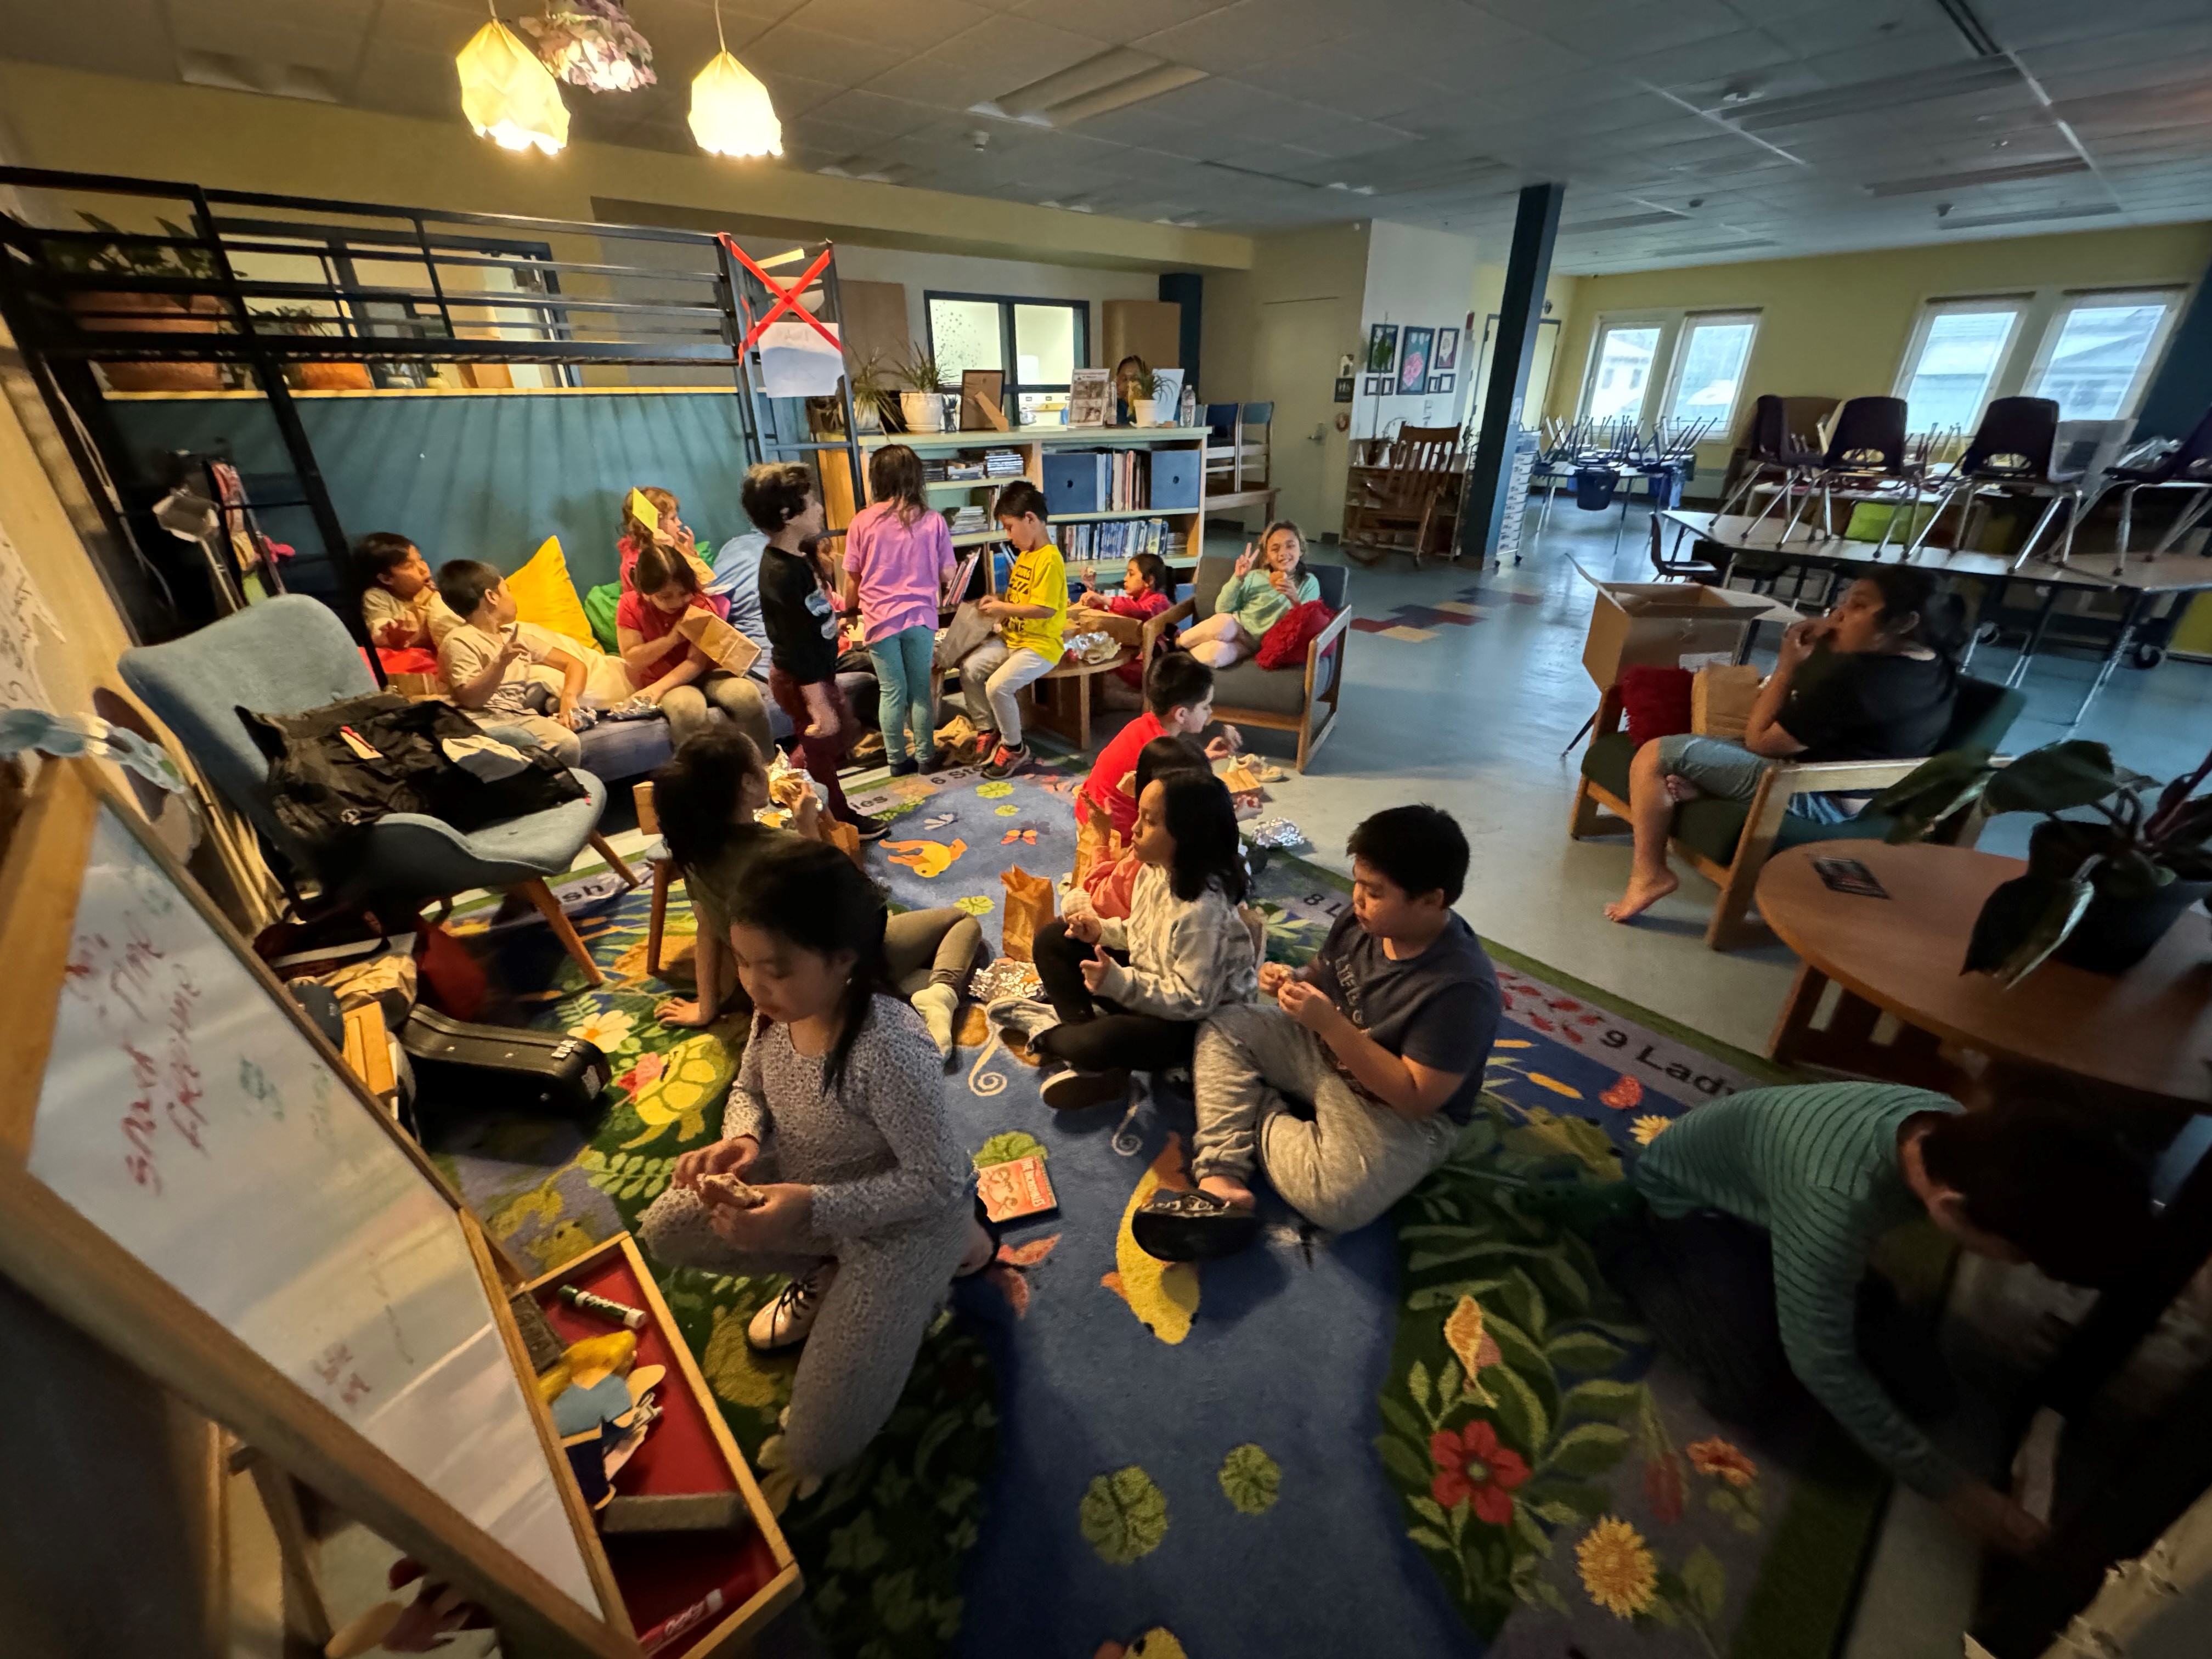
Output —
(730, 1190)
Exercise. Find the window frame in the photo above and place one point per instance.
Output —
(2002, 374)
(1606, 323)
(1659, 386)
(1013, 389)
(1690, 322)
(2170, 296)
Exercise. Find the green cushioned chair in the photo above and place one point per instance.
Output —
(1728, 841)
(1281, 699)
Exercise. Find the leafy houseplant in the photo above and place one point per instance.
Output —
(310, 377)
(2100, 891)
(871, 391)
(1144, 405)
(922, 403)
(152, 313)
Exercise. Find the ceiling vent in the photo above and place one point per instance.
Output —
(1980, 74)
(870, 169)
(1626, 222)
(1964, 179)
(1110, 81)
(1713, 247)
(231, 73)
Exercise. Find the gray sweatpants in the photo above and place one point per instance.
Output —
(1341, 1166)
(855, 1366)
(923, 947)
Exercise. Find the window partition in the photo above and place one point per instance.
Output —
(2099, 351)
(1678, 368)
(1038, 344)
(1953, 362)
(1708, 367)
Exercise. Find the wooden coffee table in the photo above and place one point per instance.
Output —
(2145, 1033)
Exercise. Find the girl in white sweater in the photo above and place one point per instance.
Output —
(1131, 994)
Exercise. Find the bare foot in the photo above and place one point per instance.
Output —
(1641, 895)
(1681, 789)
(1231, 1192)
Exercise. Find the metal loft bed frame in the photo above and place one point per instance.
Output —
(82, 295)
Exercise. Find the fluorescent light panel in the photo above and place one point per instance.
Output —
(1967, 178)
(1625, 222)
(1110, 80)
(2096, 210)
(1890, 92)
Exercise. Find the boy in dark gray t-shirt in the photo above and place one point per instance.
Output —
(1384, 1036)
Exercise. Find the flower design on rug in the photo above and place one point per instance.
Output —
(1646, 1129)
(1475, 1348)
(1618, 1569)
(1623, 1095)
(1717, 1457)
(976, 904)
(608, 1029)
(1473, 1469)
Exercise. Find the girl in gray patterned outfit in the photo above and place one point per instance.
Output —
(837, 1164)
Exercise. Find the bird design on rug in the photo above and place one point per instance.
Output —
(1164, 1295)
(1158, 1642)
(927, 859)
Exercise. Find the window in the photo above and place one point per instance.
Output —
(1709, 365)
(1038, 344)
(1955, 355)
(2098, 350)
(1622, 370)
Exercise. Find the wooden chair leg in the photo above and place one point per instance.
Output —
(1582, 816)
(663, 878)
(1762, 823)
(606, 851)
(550, 908)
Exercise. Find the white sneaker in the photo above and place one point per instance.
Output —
(786, 1322)
(938, 1007)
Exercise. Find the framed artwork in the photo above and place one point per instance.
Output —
(1344, 365)
(1377, 385)
(1382, 348)
(1089, 397)
(1343, 388)
(1440, 385)
(1414, 361)
(1445, 358)
(981, 394)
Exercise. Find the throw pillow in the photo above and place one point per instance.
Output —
(543, 594)
(599, 606)
(1284, 647)
(1655, 700)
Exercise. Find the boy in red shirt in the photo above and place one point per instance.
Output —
(1178, 702)
(1144, 593)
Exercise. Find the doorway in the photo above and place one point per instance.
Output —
(1295, 366)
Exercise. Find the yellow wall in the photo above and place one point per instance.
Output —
(1837, 325)
(1563, 294)
(241, 141)
(1274, 333)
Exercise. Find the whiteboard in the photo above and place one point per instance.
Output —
(186, 1115)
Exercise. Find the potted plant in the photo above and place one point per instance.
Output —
(310, 377)
(1145, 406)
(2100, 890)
(922, 403)
(872, 390)
(152, 313)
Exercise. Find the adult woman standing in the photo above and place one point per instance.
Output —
(1269, 581)
(1887, 694)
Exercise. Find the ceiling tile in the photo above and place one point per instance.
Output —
(905, 29)
(1120, 21)
(818, 56)
(1251, 32)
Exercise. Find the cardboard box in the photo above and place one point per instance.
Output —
(1720, 700)
(1660, 623)
(729, 648)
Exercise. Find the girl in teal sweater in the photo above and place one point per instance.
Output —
(1270, 579)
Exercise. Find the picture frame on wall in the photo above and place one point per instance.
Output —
(1445, 360)
(982, 392)
(1442, 384)
(1343, 388)
(1345, 365)
(1382, 348)
(1414, 361)
(1377, 385)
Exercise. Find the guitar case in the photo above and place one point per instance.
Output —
(462, 1069)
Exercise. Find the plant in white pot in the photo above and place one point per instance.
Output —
(921, 406)
(1145, 407)
(872, 390)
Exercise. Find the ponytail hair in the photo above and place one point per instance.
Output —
(809, 894)
(656, 567)
(1910, 590)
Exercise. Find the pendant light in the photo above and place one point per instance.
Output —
(509, 96)
(731, 114)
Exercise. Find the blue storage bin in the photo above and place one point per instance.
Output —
(1175, 476)
(1077, 481)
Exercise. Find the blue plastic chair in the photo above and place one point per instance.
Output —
(287, 655)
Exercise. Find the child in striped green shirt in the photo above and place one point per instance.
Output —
(1752, 1263)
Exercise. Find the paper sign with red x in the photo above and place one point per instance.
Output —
(787, 299)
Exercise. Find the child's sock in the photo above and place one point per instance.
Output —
(939, 1006)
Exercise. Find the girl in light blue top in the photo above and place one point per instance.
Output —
(1270, 579)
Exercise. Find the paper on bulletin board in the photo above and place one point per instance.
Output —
(25, 612)
(186, 1117)
(796, 362)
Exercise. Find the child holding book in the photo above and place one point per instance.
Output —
(1032, 617)
(1270, 581)
(661, 588)
(898, 568)
(1131, 995)
(1178, 702)
(709, 798)
(836, 1165)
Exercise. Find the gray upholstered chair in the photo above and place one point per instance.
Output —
(287, 655)
(1282, 699)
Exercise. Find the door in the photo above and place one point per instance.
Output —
(1294, 366)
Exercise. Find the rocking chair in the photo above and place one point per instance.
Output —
(1410, 503)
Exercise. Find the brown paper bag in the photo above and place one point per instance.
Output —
(1029, 907)
(1720, 700)
(722, 643)
(845, 838)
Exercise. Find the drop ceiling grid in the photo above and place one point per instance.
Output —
(1442, 105)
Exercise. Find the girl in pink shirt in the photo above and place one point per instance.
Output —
(898, 564)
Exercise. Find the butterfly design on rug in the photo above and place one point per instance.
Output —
(1027, 836)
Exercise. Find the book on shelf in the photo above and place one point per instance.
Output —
(1002, 463)
(1089, 397)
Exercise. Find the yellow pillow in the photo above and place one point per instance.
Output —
(544, 594)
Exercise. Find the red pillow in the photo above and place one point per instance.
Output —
(1285, 646)
(1657, 701)
(412, 661)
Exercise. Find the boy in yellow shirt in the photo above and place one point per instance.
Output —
(1031, 615)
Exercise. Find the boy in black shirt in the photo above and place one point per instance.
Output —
(1383, 1037)
(802, 622)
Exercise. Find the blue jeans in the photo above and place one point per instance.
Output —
(1731, 771)
(907, 691)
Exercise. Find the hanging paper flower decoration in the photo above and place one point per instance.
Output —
(508, 95)
(731, 114)
(593, 45)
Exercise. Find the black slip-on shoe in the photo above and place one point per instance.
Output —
(1191, 1226)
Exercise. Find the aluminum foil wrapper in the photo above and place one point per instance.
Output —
(1273, 832)
(1005, 978)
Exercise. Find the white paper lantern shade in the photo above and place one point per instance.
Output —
(508, 96)
(731, 114)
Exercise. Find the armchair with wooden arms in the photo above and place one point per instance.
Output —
(1279, 699)
(1410, 502)
(1062, 697)
(1728, 841)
